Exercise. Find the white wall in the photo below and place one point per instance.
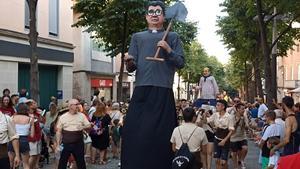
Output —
(9, 76)
(65, 81)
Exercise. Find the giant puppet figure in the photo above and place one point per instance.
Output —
(151, 116)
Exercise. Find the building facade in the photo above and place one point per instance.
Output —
(93, 70)
(288, 73)
(55, 48)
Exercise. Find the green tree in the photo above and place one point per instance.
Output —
(242, 35)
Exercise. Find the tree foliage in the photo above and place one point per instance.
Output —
(242, 34)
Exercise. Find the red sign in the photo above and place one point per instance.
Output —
(101, 82)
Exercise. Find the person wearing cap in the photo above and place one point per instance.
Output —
(224, 127)
(151, 116)
(7, 134)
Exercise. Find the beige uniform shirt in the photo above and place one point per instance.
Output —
(73, 122)
(240, 131)
(7, 129)
(196, 141)
(223, 122)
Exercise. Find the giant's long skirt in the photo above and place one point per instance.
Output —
(148, 128)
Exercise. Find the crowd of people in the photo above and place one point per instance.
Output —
(74, 134)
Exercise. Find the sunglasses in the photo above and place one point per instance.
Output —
(156, 12)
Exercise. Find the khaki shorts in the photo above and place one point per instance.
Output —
(35, 148)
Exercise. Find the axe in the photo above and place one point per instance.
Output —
(175, 12)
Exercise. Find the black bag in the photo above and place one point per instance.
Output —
(183, 158)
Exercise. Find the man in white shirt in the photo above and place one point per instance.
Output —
(272, 130)
(261, 109)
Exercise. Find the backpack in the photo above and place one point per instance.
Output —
(97, 129)
(183, 158)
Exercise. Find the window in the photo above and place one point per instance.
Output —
(53, 17)
(26, 15)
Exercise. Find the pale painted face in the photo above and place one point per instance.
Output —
(155, 17)
(206, 72)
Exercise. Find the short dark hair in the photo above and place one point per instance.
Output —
(188, 114)
(271, 114)
(239, 105)
(224, 102)
(23, 109)
(5, 90)
(288, 101)
(157, 3)
(23, 92)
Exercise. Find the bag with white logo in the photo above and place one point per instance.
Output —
(183, 158)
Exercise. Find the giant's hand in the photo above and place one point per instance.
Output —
(130, 63)
(163, 44)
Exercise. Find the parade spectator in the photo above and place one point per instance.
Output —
(8, 134)
(151, 111)
(291, 138)
(208, 89)
(35, 143)
(272, 129)
(50, 116)
(193, 135)
(15, 100)
(6, 92)
(115, 134)
(238, 140)
(100, 132)
(280, 122)
(261, 109)
(7, 106)
(115, 112)
(87, 139)
(23, 95)
(205, 112)
(70, 128)
(93, 107)
(24, 127)
(224, 125)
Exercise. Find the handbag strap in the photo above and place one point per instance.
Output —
(189, 137)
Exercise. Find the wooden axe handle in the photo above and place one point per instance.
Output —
(164, 38)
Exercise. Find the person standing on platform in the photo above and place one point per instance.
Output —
(208, 89)
(151, 116)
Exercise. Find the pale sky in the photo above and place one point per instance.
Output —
(205, 12)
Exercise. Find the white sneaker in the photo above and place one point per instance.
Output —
(243, 166)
